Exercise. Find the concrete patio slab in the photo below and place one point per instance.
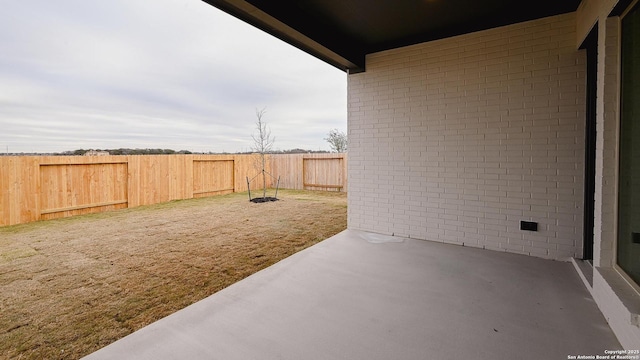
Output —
(363, 296)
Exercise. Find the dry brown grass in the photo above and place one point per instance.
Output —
(71, 286)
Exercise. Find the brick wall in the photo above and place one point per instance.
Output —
(457, 140)
(606, 142)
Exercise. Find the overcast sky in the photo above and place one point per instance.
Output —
(175, 74)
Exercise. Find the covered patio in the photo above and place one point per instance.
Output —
(499, 125)
(360, 295)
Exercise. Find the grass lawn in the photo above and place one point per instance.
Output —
(71, 286)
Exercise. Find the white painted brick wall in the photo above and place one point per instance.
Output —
(457, 140)
(606, 143)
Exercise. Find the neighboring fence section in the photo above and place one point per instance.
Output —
(311, 171)
(67, 190)
(45, 187)
(213, 177)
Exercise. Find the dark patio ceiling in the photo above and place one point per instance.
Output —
(342, 32)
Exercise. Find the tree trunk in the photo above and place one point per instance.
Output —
(264, 179)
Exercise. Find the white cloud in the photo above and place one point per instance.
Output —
(160, 74)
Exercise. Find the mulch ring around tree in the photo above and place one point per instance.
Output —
(263, 199)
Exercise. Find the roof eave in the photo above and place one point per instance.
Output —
(267, 23)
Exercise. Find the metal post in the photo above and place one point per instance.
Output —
(249, 188)
(277, 185)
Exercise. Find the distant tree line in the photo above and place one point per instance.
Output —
(81, 152)
(290, 151)
(122, 151)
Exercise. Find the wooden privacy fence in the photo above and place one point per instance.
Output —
(310, 171)
(45, 187)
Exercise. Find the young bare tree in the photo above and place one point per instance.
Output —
(337, 140)
(262, 144)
